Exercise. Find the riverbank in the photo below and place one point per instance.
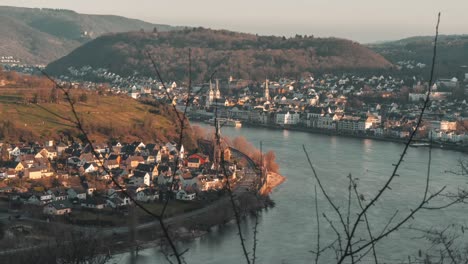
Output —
(273, 180)
(440, 145)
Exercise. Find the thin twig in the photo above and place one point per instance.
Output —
(358, 197)
(317, 255)
(400, 161)
(317, 178)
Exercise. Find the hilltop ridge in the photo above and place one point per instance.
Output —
(38, 36)
(242, 55)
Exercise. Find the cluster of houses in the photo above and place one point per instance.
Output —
(381, 106)
(148, 172)
(375, 106)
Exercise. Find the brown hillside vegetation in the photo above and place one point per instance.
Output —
(242, 55)
(36, 112)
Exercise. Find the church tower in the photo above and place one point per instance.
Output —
(211, 95)
(267, 90)
(218, 93)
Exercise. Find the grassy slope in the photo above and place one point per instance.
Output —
(103, 116)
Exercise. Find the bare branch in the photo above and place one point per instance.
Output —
(348, 251)
(317, 254)
(325, 192)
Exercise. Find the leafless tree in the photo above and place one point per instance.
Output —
(352, 246)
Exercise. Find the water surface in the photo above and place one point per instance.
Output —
(287, 233)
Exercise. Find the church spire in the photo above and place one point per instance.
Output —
(218, 93)
(211, 95)
(267, 90)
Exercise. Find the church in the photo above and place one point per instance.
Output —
(214, 96)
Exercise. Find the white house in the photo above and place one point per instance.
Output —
(146, 195)
(140, 178)
(184, 196)
(57, 208)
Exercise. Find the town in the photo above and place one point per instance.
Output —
(56, 179)
(378, 107)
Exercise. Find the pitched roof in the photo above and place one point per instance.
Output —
(60, 205)
(139, 174)
(145, 167)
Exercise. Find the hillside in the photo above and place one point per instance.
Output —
(452, 52)
(35, 35)
(33, 113)
(240, 55)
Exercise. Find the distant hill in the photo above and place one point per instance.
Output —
(30, 110)
(452, 52)
(35, 35)
(241, 55)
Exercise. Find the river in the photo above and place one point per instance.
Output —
(287, 232)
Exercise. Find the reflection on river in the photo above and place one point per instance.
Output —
(287, 233)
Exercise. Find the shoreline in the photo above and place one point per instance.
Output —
(439, 145)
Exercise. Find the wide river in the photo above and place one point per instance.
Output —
(288, 232)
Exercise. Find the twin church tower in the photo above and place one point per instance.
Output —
(214, 94)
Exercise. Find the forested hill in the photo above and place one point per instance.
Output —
(35, 35)
(452, 53)
(238, 54)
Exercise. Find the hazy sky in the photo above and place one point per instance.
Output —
(361, 20)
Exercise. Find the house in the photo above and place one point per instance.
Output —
(15, 152)
(164, 174)
(94, 202)
(113, 161)
(184, 196)
(189, 180)
(117, 202)
(146, 195)
(33, 173)
(151, 169)
(197, 160)
(150, 159)
(87, 158)
(60, 148)
(111, 164)
(29, 198)
(49, 153)
(58, 194)
(26, 160)
(133, 161)
(140, 178)
(36, 198)
(74, 161)
(89, 167)
(44, 197)
(78, 193)
(11, 173)
(57, 208)
(18, 166)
